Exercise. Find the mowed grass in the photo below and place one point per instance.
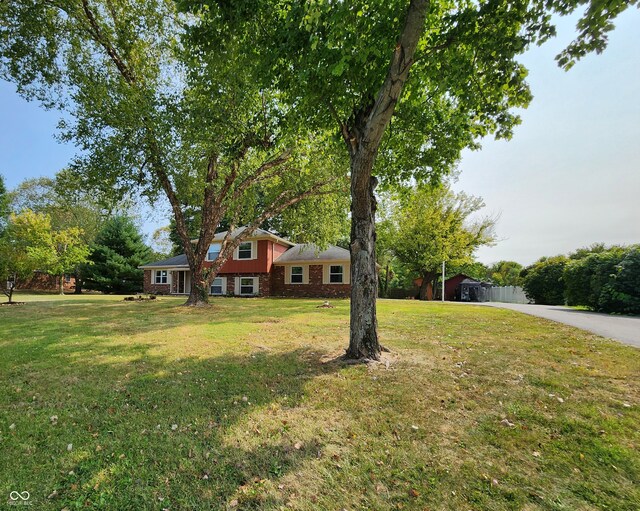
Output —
(106, 404)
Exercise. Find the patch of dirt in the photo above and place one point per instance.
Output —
(387, 359)
(139, 298)
(13, 303)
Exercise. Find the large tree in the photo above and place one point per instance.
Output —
(435, 225)
(115, 257)
(151, 113)
(348, 64)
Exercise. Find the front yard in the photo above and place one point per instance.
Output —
(117, 405)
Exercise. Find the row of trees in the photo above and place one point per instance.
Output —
(243, 109)
(44, 229)
(601, 278)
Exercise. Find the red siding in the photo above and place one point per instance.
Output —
(278, 250)
(262, 264)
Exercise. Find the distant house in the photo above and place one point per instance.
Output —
(264, 264)
(41, 281)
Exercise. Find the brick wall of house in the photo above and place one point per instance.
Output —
(149, 287)
(45, 282)
(264, 282)
(314, 289)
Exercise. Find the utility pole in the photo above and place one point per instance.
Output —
(443, 281)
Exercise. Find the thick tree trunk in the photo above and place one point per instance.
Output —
(363, 340)
(427, 280)
(362, 135)
(199, 294)
(61, 284)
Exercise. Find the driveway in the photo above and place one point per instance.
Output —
(625, 329)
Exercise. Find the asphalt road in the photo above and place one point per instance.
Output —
(625, 329)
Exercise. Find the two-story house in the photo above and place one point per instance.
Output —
(264, 264)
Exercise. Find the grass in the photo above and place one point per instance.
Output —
(115, 405)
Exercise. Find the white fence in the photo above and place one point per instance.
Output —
(508, 294)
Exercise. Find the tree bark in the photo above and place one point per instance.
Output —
(199, 294)
(363, 339)
(61, 284)
(363, 134)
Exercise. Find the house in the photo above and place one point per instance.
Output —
(264, 264)
(41, 281)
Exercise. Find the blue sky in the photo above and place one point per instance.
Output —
(569, 177)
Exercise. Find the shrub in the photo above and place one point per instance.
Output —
(543, 281)
(622, 293)
(586, 278)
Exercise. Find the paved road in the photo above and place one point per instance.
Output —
(621, 328)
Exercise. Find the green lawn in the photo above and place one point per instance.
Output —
(117, 405)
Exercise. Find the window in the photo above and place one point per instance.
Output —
(247, 285)
(218, 286)
(297, 277)
(336, 274)
(245, 250)
(67, 278)
(214, 251)
(161, 276)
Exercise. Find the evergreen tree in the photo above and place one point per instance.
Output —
(115, 256)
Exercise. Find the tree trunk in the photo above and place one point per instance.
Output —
(363, 134)
(363, 340)
(61, 284)
(199, 294)
(386, 282)
(427, 280)
(78, 288)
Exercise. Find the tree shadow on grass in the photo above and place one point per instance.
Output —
(97, 326)
(143, 429)
(187, 434)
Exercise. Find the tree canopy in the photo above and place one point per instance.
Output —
(150, 112)
(44, 248)
(4, 204)
(407, 85)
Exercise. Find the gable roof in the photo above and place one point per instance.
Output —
(177, 261)
(258, 234)
(310, 253)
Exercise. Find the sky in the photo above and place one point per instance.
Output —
(569, 177)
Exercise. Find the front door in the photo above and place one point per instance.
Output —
(180, 287)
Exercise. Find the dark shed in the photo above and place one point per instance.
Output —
(470, 290)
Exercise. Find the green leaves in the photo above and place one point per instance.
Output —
(434, 225)
(30, 243)
(115, 256)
